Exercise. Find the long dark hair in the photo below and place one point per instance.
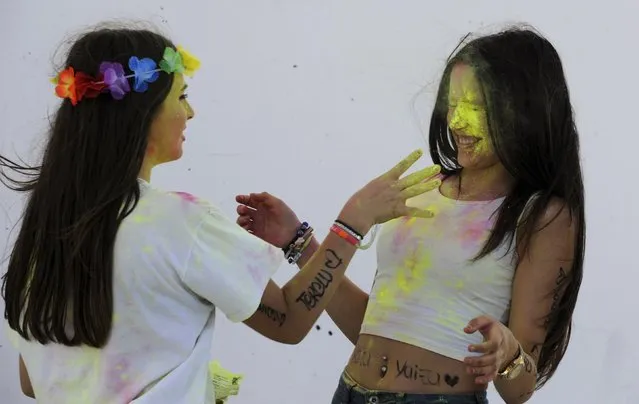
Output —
(532, 128)
(61, 266)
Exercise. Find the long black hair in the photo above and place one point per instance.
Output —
(60, 269)
(531, 125)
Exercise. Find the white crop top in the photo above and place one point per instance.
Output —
(426, 289)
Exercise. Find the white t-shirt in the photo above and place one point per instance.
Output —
(177, 259)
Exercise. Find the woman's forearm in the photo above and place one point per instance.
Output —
(520, 389)
(308, 293)
(347, 305)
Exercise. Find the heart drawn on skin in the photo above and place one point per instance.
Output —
(451, 380)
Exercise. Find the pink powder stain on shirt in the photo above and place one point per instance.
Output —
(401, 236)
(186, 196)
(256, 273)
(119, 379)
(474, 230)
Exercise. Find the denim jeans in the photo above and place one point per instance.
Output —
(349, 392)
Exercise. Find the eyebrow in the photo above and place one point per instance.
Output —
(185, 87)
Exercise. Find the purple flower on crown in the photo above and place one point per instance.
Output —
(145, 72)
(115, 79)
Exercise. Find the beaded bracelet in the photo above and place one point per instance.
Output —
(298, 244)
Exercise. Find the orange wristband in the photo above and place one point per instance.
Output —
(345, 235)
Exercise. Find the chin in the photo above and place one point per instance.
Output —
(468, 160)
(473, 161)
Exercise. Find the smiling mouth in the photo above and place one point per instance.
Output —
(466, 141)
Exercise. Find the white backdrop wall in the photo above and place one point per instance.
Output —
(309, 100)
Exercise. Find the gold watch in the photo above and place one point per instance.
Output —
(514, 368)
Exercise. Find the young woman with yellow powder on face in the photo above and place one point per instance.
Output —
(113, 284)
(485, 290)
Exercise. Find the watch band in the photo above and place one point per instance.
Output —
(514, 367)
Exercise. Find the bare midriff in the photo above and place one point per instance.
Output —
(379, 363)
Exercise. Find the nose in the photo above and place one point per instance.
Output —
(190, 113)
(455, 120)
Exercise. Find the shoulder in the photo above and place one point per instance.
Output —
(180, 203)
(177, 213)
(556, 216)
(553, 233)
(190, 201)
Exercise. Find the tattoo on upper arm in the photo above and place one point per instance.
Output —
(535, 349)
(273, 314)
(556, 294)
(316, 290)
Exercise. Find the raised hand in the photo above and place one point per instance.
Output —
(384, 198)
(267, 217)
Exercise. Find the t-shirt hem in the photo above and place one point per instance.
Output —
(435, 349)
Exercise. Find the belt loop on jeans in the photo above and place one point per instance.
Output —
(480, 397)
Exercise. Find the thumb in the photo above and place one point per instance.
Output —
(481, 324)
(254, 199)
(423, 213)
(242, 198)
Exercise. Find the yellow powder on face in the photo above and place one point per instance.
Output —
(466, 107)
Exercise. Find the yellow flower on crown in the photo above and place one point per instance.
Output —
(189, 61)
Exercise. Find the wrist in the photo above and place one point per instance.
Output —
(513, 350)
(308, 252)
(355, 221)
(294, 235)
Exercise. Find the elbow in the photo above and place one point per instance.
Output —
(289, 336)
(293, 341)
(295, 337)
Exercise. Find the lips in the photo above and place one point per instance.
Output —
(466, 141)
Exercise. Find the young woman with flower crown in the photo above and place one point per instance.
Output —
(113, 284)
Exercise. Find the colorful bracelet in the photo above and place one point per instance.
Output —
(298, 233)
(349, 229)
(345, 234)
(298, 244)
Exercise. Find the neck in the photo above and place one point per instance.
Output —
(490, 182)
(145, 172)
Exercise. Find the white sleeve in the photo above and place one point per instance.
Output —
(229, 266)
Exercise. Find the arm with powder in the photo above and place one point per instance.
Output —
(287, 315)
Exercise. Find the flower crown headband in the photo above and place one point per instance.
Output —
(78, 85)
